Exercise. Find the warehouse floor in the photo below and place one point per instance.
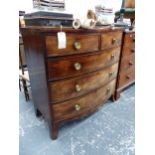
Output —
(109, 131)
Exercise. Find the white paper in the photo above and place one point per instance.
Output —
(61, 40)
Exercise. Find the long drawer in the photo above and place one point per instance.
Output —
(83, 105)
(75, 44)
(78, 65)
(69, 88)
(127, 77)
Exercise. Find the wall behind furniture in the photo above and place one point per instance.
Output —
(77, 7)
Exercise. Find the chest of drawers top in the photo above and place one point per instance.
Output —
(77, 41)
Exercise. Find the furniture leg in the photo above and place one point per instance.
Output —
(113, 98)
(38, 113)
(116, 95)
(54, 131)
(25, 90)
(132, 20)
(116, 18)
(19, 85)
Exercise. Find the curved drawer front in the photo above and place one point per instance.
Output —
(127, 63)
(75, 44)
(78, 65)
(127, 77)
(76, 108)
(111, 39)
(66, 89)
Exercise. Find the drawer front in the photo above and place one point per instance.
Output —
(76, 108)
(129, 39)
(126, 77)
(127, 63)
(78, 65)
(128, 51)
(111, 39)
(81, 85)
(75, 44)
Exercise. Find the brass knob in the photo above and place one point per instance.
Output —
(111, 73)
(77, 45)
(127, 77)
(77, 88)
(130, 63)
(113, 41)
(112, 56)
(77, 66)
(130, 35)
(133, 50)
(108, 90)
(77, 107)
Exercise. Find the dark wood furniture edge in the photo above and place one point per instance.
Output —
(41, 97)
(40, 29)
(116, 95)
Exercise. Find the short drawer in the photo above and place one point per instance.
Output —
(78, 65)
(75, 44)
(127, 63)
(126, 77)
(128, 50)
(70, 88)
(111, 39)
(129, 39)
(82, 106)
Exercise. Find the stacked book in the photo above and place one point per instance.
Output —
(105, 15)
(49, 4)
(103, 10)
(44, 18)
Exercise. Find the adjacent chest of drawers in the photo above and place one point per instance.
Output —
(70, 83)
(126, 74)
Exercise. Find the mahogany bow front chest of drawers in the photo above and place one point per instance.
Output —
(71, 83)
